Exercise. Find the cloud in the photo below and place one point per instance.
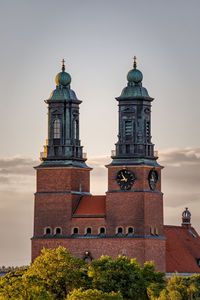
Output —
(18, 165)
(181, 183)
(177, 157)
(17, 173)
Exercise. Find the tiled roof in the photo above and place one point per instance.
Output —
(182, 249)
(90, 207)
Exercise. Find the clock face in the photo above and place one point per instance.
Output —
(125, 178)
(153, 178)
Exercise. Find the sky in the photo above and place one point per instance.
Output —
(98, 40)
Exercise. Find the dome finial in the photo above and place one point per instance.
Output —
(134, 63)
(134, 76)
(63, 65)
(63, 78)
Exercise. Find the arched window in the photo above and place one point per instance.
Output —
(119, 230)
(130, 230)
(58, 230)
(47, 230)
(56, 129)
(75, 230)
(88, 230)
(102, 230)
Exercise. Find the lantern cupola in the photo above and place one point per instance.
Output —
(63, 146)
(134, 144)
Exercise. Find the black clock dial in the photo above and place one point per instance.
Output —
(125, 178)
(153, 178)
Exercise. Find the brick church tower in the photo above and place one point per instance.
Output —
(128, 220)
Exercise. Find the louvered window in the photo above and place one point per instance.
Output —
(56, 129)
(128, 128)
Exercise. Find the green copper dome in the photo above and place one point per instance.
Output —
(63, 90)
(63, 94)
(134, 88)
(134, 92)
(135, 76)
(63, 78)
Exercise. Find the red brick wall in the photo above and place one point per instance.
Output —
(53, 206)
(155, 251)
(54, 210)
(83, 223)
(63, 179)
(141, 249)
(138, 209)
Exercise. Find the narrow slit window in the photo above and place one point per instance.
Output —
(76, 130)
(128, 128)
(56, 129)
(152, 230)
(156, 231)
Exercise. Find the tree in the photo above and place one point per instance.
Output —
(12, 285)
(58, 272)
(124, 275)
(181, 288)
(93, 295)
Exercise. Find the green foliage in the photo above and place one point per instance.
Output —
(12, 285)
(181, 288)
(124, 275)
(51, 276)
(93, 295)
(57, 272)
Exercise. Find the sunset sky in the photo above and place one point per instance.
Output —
(98, 40)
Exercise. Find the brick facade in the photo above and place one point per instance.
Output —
(139, 248)
(56, 200)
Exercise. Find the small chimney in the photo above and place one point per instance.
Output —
(186, 218)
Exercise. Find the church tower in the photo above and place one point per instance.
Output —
(128, 220)
(134, 201)
(63, 176)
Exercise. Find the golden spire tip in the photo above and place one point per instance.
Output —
(134, 63)
(63, 65)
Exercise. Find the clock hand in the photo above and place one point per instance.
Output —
(124, 178)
